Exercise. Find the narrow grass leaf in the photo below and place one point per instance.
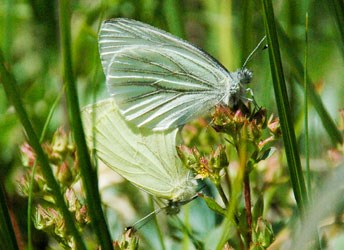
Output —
(7, 236)
(12, 93)
(308, 173)
(88, 174)
(299, 72)
(29, 207)
(174, 19)
(291, 150)
(337, 11)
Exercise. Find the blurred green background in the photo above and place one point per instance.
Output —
(228, 30)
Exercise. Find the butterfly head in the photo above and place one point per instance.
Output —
(244, 76)
(236, 89)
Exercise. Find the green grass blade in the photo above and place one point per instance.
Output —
(337, 9)
(88, 174)
(246, 28)
(12, 93)
(29, 207)
(291, 150)
(308, 171)
(7, 236)
(174, 19)
(299, 72)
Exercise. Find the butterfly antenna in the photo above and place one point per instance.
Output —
(143, 221)
(253, 52)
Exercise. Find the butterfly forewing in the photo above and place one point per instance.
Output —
(158, 80)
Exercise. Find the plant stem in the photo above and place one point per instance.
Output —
(228, 181)
(222, 194)
(247, 197)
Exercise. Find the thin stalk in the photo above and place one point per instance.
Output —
(306, 86)
(186, 239)
(7, 235)
(314, 98)
(160, 234)
(306, 111)
(228, 181)
(12, 93)
(222, 194)
(247, 198)
(237, 188)
(88, 174)
(32, 179)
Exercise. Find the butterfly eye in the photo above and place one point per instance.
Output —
(245, 76)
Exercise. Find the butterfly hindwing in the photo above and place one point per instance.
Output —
(147, 159)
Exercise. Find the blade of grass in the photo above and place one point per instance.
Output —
(299, 72)
(337, 9)
(88, 174)
(174, 19)
(291, 150)
(7, 236)
(308, 171)
(224, 28)
(12, 93)
(7, 39)
(29, 207)
(246, 28)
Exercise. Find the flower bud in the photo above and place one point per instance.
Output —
(219, 158)
(189, 156)
(274, 127)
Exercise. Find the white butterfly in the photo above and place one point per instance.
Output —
(145, 158)
(160, 81)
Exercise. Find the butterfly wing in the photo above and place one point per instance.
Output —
(158, 81)
(148, 160)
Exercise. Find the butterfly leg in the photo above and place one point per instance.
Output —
(250, 91)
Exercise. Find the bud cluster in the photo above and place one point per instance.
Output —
(204, 167)
(242, 127)
(61, 153)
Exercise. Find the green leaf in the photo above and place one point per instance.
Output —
(265, 154)
(211, 203)
(258, 209)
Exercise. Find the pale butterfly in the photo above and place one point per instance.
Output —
(147, 159)
(160, 81)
